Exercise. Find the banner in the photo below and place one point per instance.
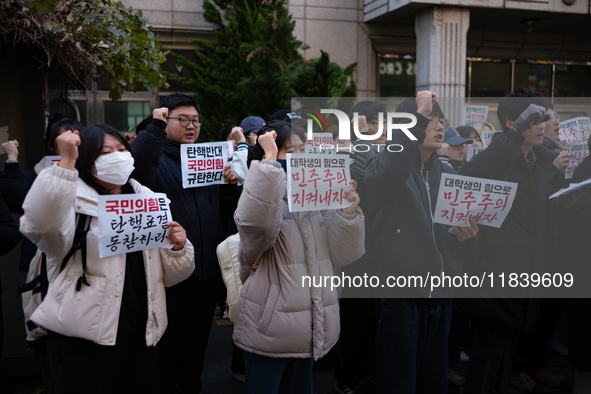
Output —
(132, 222)
(577, 151)
(574, 130)
(571, 188)
(462, 197)
(203, 164)
(319, 144)
(317, 182)
(472, 114)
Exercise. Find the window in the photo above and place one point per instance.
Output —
(397, 77)
(126, 115)
(536, 77)
(488, 79)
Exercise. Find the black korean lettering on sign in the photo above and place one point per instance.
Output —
(118, 225)
(114, 243)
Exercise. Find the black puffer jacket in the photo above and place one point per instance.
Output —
(577, 253)
(403, 196)
(9, 234)
(521, 243)
(15, 185)
(202, 211)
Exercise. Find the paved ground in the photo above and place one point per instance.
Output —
(217, 377)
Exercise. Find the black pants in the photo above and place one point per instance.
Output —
(458, 335)
(81, 366)
(489, 371)
(356, 341)
(181, 351)
(579, 347)
(532, 349)
(3, 382)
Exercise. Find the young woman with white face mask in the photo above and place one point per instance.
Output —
(104, 321)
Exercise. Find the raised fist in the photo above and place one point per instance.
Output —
(68, 143)
(11, 149)
(160, 113)
(267, 142)
(237, 134)
(425, 101)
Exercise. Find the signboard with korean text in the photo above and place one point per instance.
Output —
(472, 114)
(203, 164)
(51, 160)
(574, 130)
(577, 151)
(321, 143)
(487, 136)
(461, 197)
(132, 222)
(473, 151)
(571, 188)
(317, 182)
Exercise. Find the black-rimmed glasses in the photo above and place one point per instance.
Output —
(184, 122)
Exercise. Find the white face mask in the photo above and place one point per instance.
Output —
(114, 168)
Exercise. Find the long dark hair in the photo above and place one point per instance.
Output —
(283, 131)
(92, 140)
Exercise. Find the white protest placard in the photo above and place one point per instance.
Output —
(132, 222)
(487, 136)
(317, 182)
(203, 164)
(574, 130)
(473, 151)
(321, 143)
(472, 114)
(571, 188)
(577, 151)
(462, 197)
(51, 160)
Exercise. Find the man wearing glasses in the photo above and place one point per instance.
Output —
(203, 212)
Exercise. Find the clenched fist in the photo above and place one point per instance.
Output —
(160, 113)
(267, 142)
(68, 143)
(11, 149)
(425, 101)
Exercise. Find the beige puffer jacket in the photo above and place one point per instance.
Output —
(276, 316)
(93, 312)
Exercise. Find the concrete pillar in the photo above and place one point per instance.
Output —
(441, 55)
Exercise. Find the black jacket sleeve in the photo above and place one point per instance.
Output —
(147, 150)
(393, 169)
(496, 161)
(14, 186)
(9, 234)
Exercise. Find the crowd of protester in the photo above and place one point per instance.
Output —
(140, 322)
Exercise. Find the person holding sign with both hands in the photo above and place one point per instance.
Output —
(104, 316)
(281, 325)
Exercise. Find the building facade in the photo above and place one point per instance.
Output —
(458, 48)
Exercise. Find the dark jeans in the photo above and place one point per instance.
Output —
(3, 382)
(532, 348)
(356, 341)
(81, 366)
(579, 347)
(268, 375)
(489, 370)
(181, 351)
(411, 347)
(458, 335)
